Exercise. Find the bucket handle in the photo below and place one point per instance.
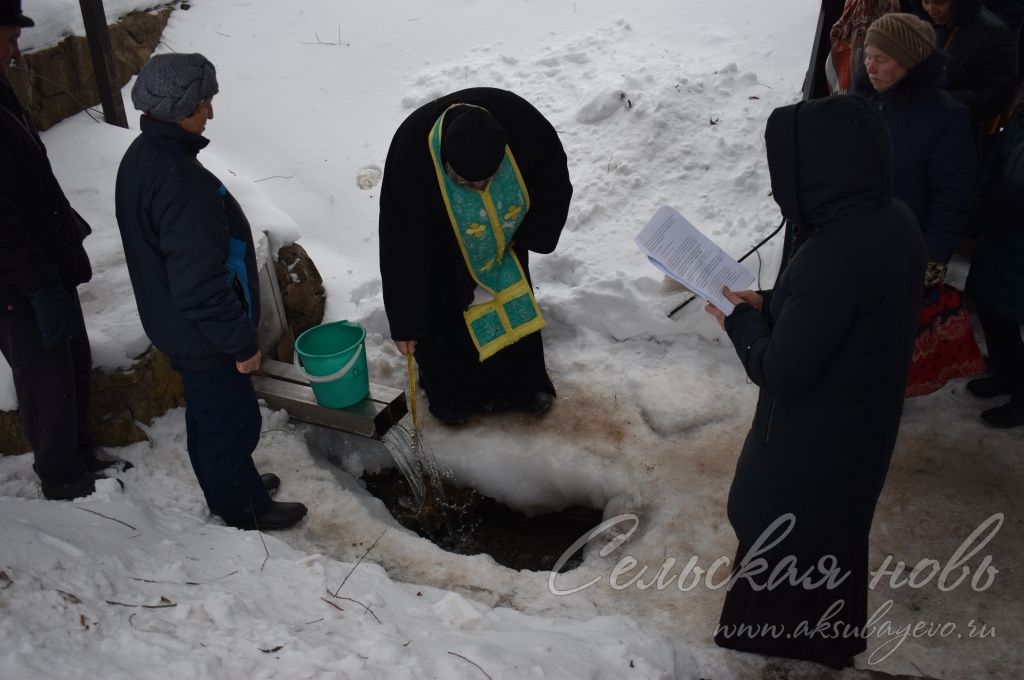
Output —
(340, 373)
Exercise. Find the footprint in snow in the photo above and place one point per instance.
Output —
(368, 177)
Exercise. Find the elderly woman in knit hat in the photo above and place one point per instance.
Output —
(935, 161)
(935, 165)
(190, 256)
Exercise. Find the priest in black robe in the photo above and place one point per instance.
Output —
(427, 282)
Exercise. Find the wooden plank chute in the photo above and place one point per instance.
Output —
(285, 386)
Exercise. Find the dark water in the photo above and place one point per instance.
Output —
(469, 523)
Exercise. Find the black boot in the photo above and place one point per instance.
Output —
(279, 516)
(271, 482)
(540, 403)
(989, 386)
(1008, 415)
(452, 416)
(97, 463)
(79, 488)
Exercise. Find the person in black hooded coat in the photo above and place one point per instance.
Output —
(830, 348)
(426, 281)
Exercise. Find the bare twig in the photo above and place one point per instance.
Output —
(349, 599)
(164, 604)
(318, 41)
(274, 177)
(252, 511)
(219, 33)
(332, 604)
(363, 556)
(473, 663)
(310, 623)
(186, 583)
(112, 519)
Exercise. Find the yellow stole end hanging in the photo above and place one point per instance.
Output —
(485, 222)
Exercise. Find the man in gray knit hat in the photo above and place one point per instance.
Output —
(173, 87)
(191, 259)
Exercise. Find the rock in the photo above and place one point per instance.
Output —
(302, 289)
(118, 400)
(58, 82)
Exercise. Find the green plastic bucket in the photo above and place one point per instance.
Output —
(333, 357)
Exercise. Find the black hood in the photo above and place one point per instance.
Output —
(829, 159)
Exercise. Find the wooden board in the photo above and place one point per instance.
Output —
(284, 386)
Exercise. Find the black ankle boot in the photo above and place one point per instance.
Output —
(279, 516)
(1008, 415)
(67, 491)
(989, 386)
(271, 482)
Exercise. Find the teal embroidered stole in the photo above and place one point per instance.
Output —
(485, 221)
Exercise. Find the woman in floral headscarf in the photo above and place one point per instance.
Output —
(847, 37)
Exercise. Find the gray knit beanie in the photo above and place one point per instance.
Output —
(904, 37)
(171, 86)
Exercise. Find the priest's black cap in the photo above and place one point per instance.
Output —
(473, 142)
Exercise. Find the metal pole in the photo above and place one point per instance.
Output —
(103, 65)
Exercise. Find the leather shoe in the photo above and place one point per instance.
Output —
(540, 403)
(280, 516)
(989, 386)
(78, 488)
(453, 417)
(1008, 415)
(96, 464)
(271, 482)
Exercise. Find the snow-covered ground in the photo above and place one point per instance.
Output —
(661, 102)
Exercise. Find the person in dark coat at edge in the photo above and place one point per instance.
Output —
(996, 280)
(42, 261)
(830, 348)
(473, 182)
(190, 255)
(982, 67)
(935, 163)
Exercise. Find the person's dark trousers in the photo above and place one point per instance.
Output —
(223, 421)
(1005, 350)
(52, 386)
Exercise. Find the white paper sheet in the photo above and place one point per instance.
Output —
(679, 250)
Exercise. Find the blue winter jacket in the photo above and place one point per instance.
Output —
(933, 147)
(189, 250)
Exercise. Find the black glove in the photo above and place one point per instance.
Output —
(53, 314)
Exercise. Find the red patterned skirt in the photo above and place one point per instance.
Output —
(945, 348)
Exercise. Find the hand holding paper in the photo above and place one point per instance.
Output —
(678, 249)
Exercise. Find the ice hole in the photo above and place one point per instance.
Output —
(460, 519)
